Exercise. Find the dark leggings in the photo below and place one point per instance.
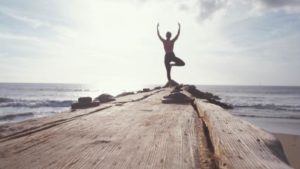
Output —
(170, 57)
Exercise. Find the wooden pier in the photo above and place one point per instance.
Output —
(138, 131)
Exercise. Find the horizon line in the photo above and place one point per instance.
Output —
(76, 83)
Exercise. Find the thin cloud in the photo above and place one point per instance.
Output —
(35, 23)
(207, 8)
(184, 7)
(8, 36)
(287, 5)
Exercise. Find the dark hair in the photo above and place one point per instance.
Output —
(168, 35)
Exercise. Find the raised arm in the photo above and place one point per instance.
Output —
(178, 33)
(158, 33)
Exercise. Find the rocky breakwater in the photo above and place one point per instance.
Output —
(211, 98)
(87, 102)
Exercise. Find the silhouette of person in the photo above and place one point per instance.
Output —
(169, 46)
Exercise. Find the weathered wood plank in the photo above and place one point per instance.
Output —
(239, 144)
(138, 134)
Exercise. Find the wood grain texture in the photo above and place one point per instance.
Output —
(239, 144)
(139, 133)
(11, 130)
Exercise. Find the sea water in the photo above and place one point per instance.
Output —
(260, 101)
(274, 108)
(22, 101)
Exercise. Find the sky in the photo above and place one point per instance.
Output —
(223, 42)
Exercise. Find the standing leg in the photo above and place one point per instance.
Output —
(168, 67)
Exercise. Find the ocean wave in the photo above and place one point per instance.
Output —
(266, 116)
(64, 90)
(14, 116)
(270, 107)
(4, 99)
(36, 103)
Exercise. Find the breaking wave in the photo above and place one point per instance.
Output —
(7, 102)
(4, 99)
(295, 108)
(15, 116)
(267, 116)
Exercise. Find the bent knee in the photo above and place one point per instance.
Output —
(181, 64)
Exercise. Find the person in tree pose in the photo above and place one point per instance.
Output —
(169, 46)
